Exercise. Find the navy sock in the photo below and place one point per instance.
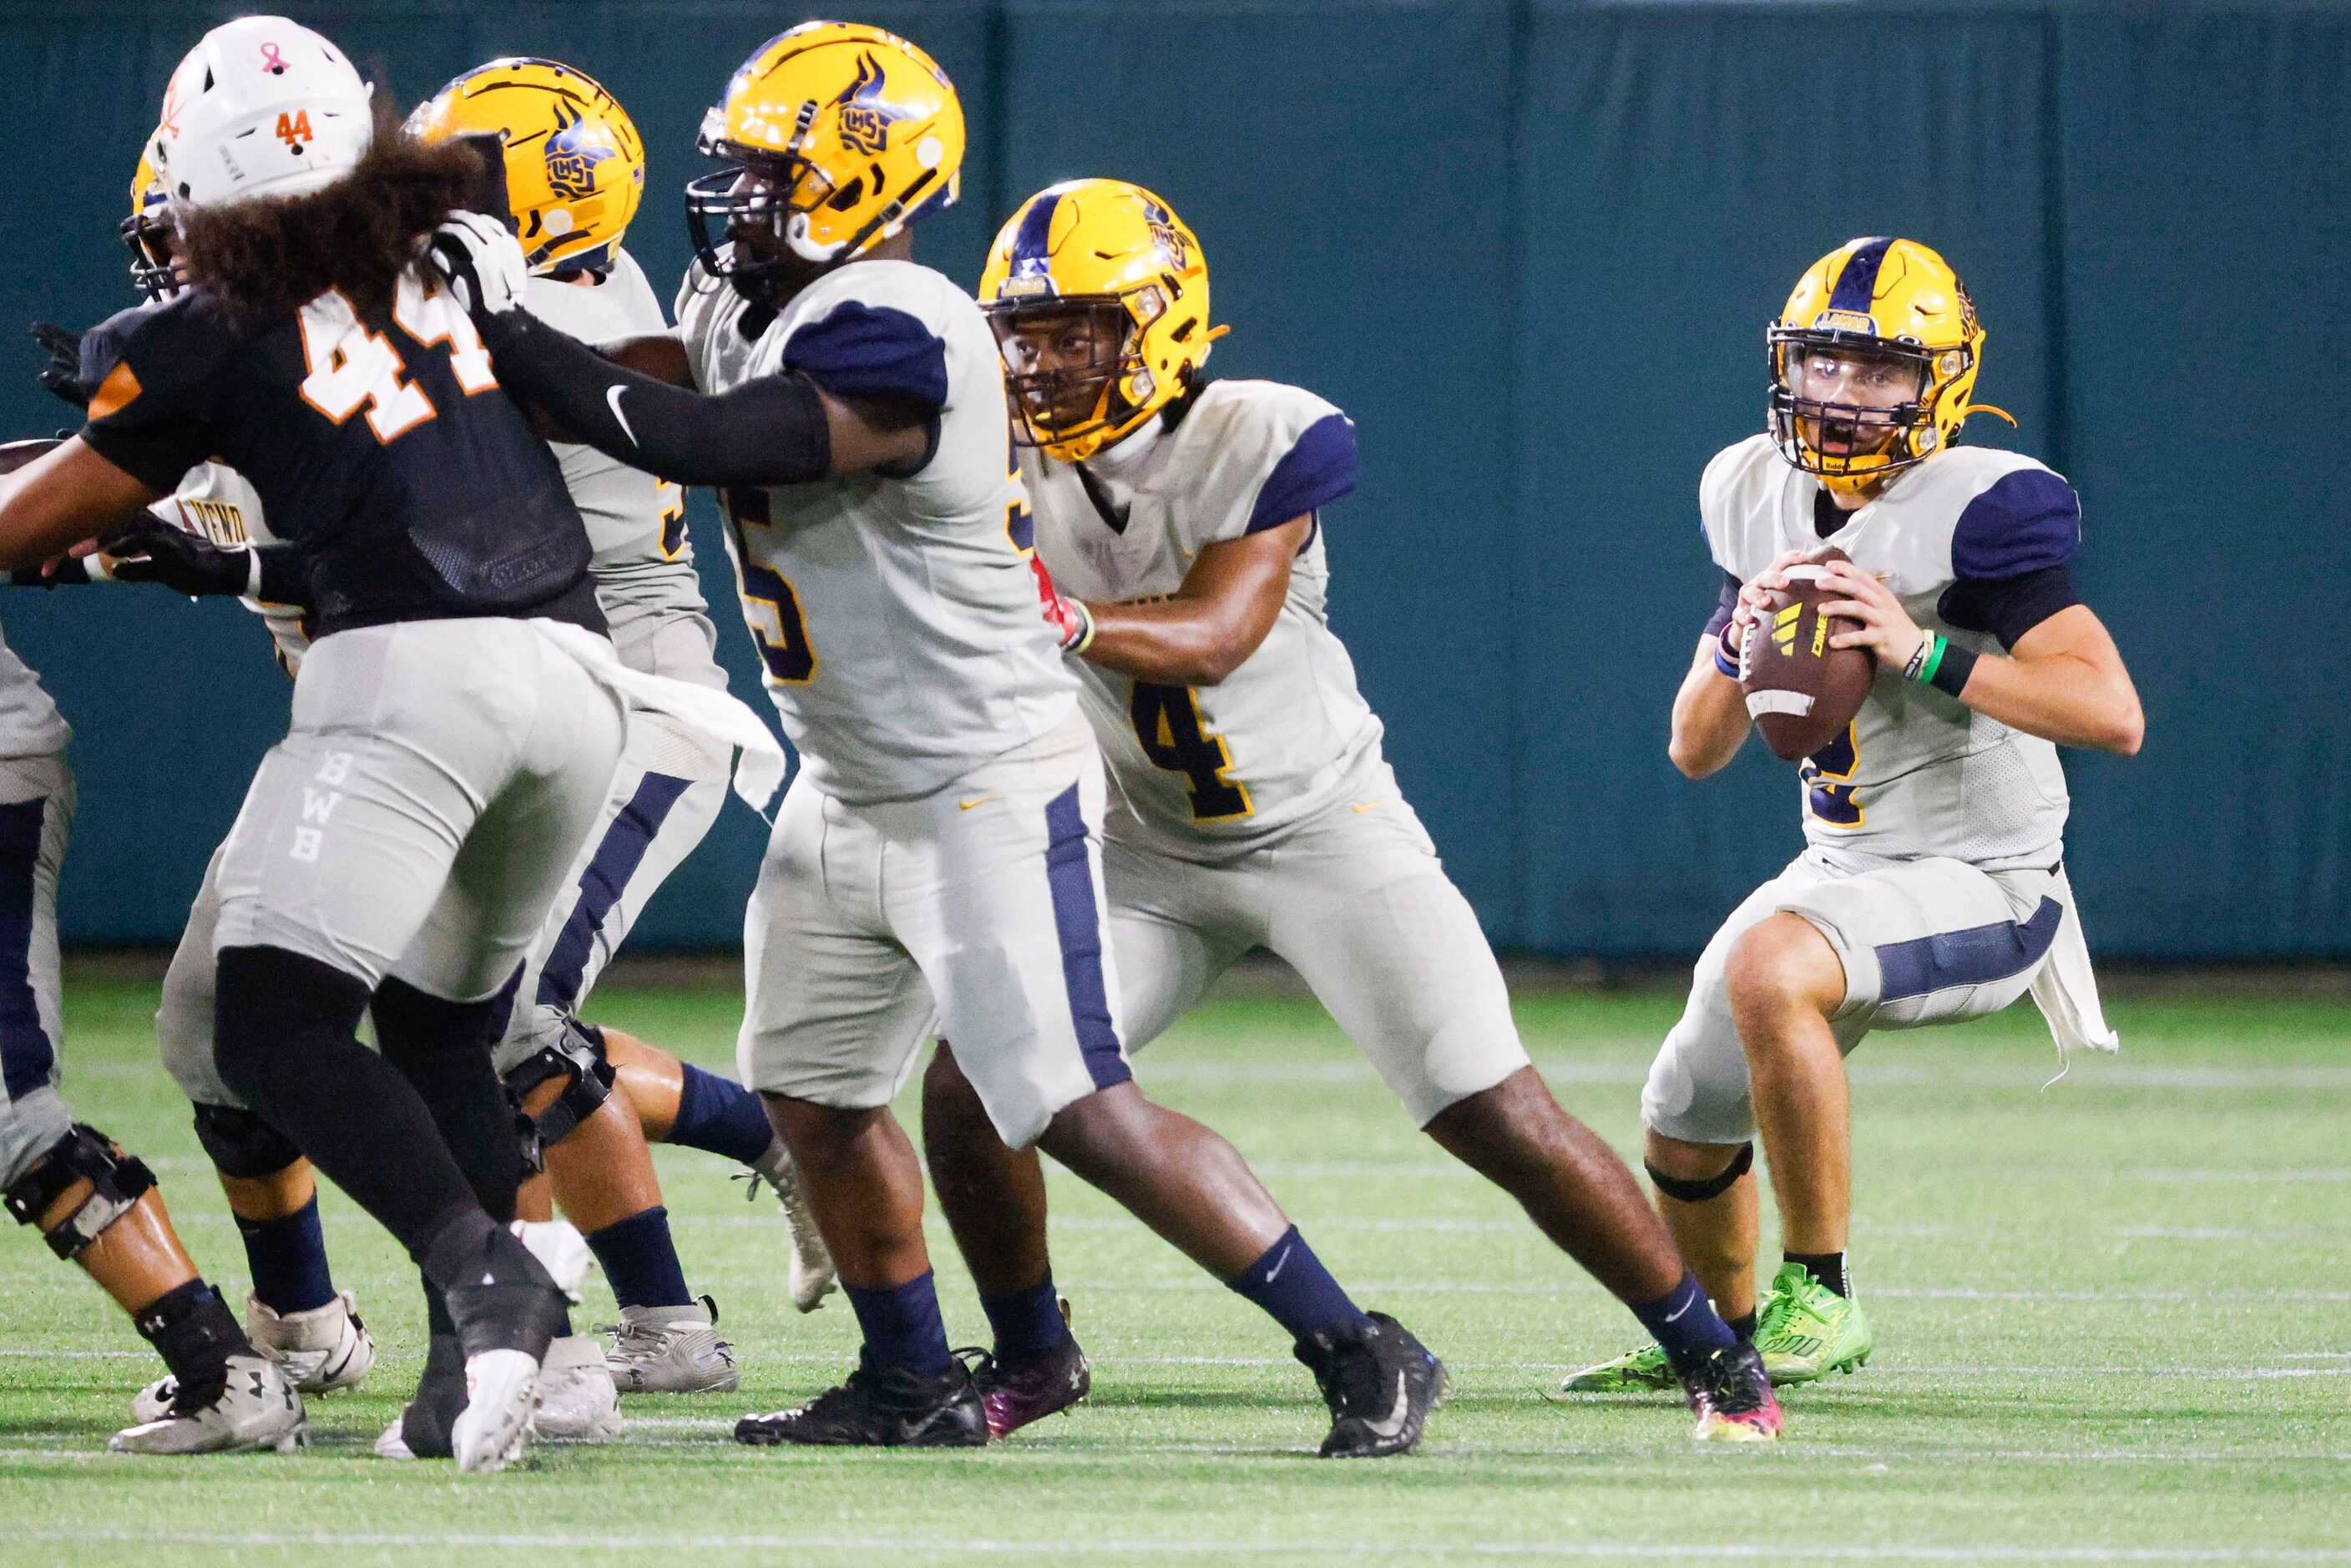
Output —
(1828, 1268)
(288, 1257)
(720, 1115)
(1685, 1324)
(1028, 1324)
(640, 1261)
(902, 1326)
(1293, 1288)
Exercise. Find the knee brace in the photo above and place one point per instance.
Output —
(577, 1057)
(116, 1181)
(1685, 1190)
(241, 1143)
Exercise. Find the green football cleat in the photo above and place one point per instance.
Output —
(1807, 1330)
(1641, 1371)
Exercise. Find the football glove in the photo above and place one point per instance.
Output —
(482, 262)
(152, 551)
(62, 374)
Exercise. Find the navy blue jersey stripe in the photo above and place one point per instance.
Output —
(1978, 955)
(1077, 920)
(28, 1056)
(1856, 286)
(601, 887)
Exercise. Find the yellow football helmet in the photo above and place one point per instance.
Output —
(834, 137)
(147, 231)
(1891, 310)
(1099, 297)
(575, 163)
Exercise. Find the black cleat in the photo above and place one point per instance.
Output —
(886, 1408)
(421, 1431)
(1381, 1384)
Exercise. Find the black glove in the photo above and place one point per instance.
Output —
(67, 571)
(62, 374)
(152, 551)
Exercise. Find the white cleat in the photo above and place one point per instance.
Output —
(257, 1408)
(810, 1277)
(392, 1443)
(670, 1350)
(320, 1351)
(493, 1428)
(577, 1399)
(560, 1249)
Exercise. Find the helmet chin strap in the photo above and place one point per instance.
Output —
(1974, 409)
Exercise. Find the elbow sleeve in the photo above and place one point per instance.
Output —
(770, 431)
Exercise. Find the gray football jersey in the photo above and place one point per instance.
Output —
(1212, 770)
(1918, 773)
(213, 502)
(898, 619)
(636, 523)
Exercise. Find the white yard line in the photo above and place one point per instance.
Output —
(1740, 1550)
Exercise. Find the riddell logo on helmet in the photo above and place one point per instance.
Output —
(865, 119)
(1845, 321)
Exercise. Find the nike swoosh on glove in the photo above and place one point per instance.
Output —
(483, 263)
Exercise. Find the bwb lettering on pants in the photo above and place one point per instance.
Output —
(318, 806)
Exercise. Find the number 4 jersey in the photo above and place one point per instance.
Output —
(1213, 770)
(1976, 544)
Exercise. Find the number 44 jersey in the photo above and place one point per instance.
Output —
(1213, 770)
(1976, 543)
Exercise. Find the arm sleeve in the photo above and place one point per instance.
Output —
(770, 431)
(1725, 605)
(151, 373)
(1318, 469)
(2011, 556)
(283, 579)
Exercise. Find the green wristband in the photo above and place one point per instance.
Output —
(1927, 667)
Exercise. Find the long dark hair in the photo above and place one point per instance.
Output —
(268, 255)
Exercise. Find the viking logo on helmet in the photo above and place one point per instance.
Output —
(865, 119)
(573, 152)
(1161, 225)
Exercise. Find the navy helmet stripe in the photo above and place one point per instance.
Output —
(1979, 956)
(1036, 228)
(1856, 286)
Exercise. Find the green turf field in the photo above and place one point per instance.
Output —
(2114, 1324)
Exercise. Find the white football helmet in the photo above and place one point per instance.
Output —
(261, 107)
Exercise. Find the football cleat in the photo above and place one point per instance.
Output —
(1806, 1331)
(880, 1408)
(1641, 1371)
(1380, 1382)
(256, 1408)
(577, 1399)
(320, 1351)
(1013, 1396)
(670, 1350)
(501, 1392)
(810, 1275)
(1732, 1399)
(560, 1249)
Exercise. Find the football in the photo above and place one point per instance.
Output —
(1800, 692)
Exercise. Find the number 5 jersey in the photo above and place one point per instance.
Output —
(1212, 772)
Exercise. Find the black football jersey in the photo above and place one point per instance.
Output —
(382, 445)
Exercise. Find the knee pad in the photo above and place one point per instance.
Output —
(270, 1002)
(1685, 1190)
(241, 1143)
(578, 1057)
(117, 1182)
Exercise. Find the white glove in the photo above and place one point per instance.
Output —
(482, 261)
